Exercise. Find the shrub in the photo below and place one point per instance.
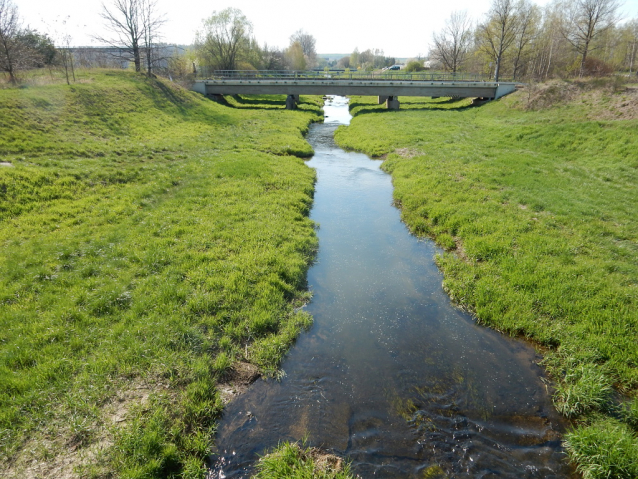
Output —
(597, 68)
(414, 66)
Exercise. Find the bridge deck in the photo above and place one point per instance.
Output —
(352, 87)
(319, 83)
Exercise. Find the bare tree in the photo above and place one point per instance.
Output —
(308, 45)
(452, 43)
(152, 21)
(272, 58)
(14, 53)
(124, 20)
(222, 38)
(528, 21)
(586, 21)
(134, 25)
(67, 59)
(498, 33)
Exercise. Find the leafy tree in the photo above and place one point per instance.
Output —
(308, 46)
(366, 59)
(224, 38)
(42, 47)
(344, 62)
(414, 66)
(631, 41)
(295, 57)
(586, 21)
(451, 45)
(354, 58)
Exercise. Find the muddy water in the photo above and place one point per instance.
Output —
(391, 373)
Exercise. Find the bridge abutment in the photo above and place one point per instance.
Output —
(291, 102)
(392, 103)
(216, 97)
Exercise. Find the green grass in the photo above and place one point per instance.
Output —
(149, 238)
(537, 210)
(295, 461)
(604, 449)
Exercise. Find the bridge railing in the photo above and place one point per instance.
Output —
(341, 75)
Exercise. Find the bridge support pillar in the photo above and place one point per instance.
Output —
(382, 100)
(392, 103)
(291, 102)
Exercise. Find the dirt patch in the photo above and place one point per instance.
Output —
(67, 454)
(324, 461)
(408, 152)
(607, 99)
(6, 164)
(619, 106)
(460, 250)
(237, 380)
(62, 466)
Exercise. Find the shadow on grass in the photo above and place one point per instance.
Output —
(382, 109)
(260, 101)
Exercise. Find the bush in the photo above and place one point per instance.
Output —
(414, 66)
(597, 68)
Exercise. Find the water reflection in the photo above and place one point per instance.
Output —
(391, 374)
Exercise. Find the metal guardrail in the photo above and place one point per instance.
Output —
(341, 75)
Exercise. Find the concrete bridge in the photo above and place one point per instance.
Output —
(387, 86)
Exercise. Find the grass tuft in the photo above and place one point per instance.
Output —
(296, 461)
(603, 449)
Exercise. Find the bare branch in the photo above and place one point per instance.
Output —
(451, 45)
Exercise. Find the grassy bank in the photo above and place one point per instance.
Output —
(534, 198)
(150, 238)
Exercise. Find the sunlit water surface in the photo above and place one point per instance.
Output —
(391, 374)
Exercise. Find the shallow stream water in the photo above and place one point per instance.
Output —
(391, 374)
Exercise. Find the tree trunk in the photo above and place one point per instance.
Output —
(584, 58)
(136, 58)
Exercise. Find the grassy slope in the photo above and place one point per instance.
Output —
(539, 209)
(149, 238)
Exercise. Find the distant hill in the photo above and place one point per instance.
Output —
(338, 56)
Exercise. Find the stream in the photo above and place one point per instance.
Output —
(392, 374)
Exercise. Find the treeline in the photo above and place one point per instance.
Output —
(366, 60)
(518, 39)
(226, 42)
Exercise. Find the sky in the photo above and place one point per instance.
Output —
(401, 28)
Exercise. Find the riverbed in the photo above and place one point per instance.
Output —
(392, 374)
